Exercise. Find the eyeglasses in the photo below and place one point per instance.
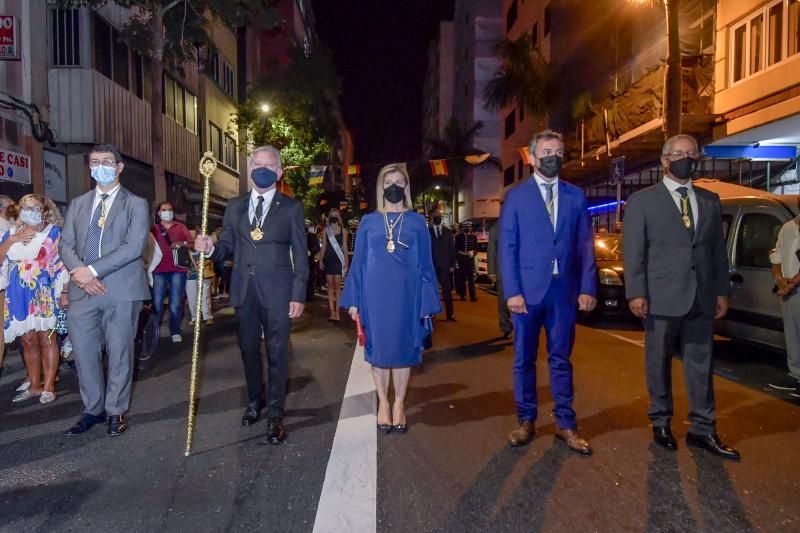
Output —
(680, 154)
(94, 163)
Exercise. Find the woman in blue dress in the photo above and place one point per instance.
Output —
(391, 288)
(35, 280)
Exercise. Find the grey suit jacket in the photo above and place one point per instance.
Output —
(663, 263)
(121, 267)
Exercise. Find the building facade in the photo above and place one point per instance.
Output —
(437, 97)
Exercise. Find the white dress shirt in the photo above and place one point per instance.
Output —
(109, 202)
(254, 194)
(541, 182)
(673, 186)
(785, 251)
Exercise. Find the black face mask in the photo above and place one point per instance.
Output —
(550, 166)
(394, 193)
(334, 220)
(683, 169)
(437, 220)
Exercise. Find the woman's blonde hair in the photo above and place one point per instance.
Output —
(390, 169)
(50, 212)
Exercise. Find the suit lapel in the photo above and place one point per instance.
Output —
(562, 200)
(118, 206)
(674, 214)
(701, 208)
(244, 216)
(274, 207)
(83, 218)
(538, 202)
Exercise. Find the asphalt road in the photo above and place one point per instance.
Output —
(452, 472)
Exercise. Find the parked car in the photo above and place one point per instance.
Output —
(751, 222)
(610, 275)
(481, 261)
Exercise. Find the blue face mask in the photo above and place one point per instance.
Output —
(104, 175)
(264, 177)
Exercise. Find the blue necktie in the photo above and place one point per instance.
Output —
(91, 250)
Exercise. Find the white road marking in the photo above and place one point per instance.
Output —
(349, 496)
(640, 344)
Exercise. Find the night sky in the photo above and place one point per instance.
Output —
(380, 49)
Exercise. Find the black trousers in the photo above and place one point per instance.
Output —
(273, 320)
(311, 286)
(443, 275)
(465, 276)
(691, 335)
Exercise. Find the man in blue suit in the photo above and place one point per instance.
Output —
(548, 269)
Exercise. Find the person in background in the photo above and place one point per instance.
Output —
(352, 225)
(5, 225)
(35, 281)
(169, 277)
(503, 314)
(392, 290)
(199, 274)
(466, 245)
(312, 241)
(785, 258)
(676, 281)
(444, 260)
(618, 227)
(334, 260)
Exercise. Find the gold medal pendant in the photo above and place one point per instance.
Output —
(687, 221)
(390, 246)
(101, 222)
(256, 234)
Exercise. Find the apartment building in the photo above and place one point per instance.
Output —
(437, 92)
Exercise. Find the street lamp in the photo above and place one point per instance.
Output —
(672, 76)
(265, 108)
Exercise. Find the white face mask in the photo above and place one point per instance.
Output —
(31, 217)
(166, 216)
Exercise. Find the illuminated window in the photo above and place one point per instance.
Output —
(793, 31)
(756, 46)
(775, 35)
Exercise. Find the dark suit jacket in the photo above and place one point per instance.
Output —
(278, 261)
(663, 263)
(443, 249)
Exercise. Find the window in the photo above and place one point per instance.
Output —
(793, 30)
(213, 65)
(110, 52)
(757, 235)
(508, 176)
(739, 52)
(547, 20)
(228, 77)
(143, 77)
(179, 104)
(727, 220)
(215, 140)
(511, 15)
(511, 123)
(775, 33)
(65, 37)
(756, 47)
(169, 97)
(190, 106)
(230, 153)
(535, 34)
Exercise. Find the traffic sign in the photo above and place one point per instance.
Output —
(617, 170)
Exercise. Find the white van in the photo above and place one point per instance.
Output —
(751, 222)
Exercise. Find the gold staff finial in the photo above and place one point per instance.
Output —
(208, 165)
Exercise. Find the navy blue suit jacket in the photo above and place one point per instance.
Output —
(529, 246)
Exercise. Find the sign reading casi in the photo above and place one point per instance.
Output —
(15, 166)
(9, 47)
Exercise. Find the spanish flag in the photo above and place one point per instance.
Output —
(317, 175)
(525, 155)
(353, 170)
(438, 167)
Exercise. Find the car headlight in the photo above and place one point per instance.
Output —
(609, 277)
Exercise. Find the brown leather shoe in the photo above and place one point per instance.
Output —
(574, 441)
(522, 435)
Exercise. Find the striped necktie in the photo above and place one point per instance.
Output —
(91, 249)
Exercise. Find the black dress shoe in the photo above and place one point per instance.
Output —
(662, 435)
(401, 428)
(506, 335)
(473, 299)
(117, 425)
(451, 319)
(712, 444)
(385, 428)
(275, 432)
(84, 424)
(252, 413)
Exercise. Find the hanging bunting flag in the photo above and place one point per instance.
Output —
(525, 155)
(438, 167)
(353, 170)
(317, 174)
(477, 159)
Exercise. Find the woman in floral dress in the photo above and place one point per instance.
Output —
(34, 279)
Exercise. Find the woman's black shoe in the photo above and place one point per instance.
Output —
(385, 428)
(401, 428)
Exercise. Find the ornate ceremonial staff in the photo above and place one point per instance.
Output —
(207, 167)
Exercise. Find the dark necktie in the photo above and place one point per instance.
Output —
(438, 232)
(91, 249)
(686, 210)
(549, 202)
(259, 212)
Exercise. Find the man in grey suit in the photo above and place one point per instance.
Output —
(102, 243)
(676, 281)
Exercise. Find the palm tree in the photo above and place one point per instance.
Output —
(456, 143)
(524, 78)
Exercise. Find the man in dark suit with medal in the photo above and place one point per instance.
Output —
(264, 233)
(676, 281)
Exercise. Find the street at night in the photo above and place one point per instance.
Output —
(453, 471)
